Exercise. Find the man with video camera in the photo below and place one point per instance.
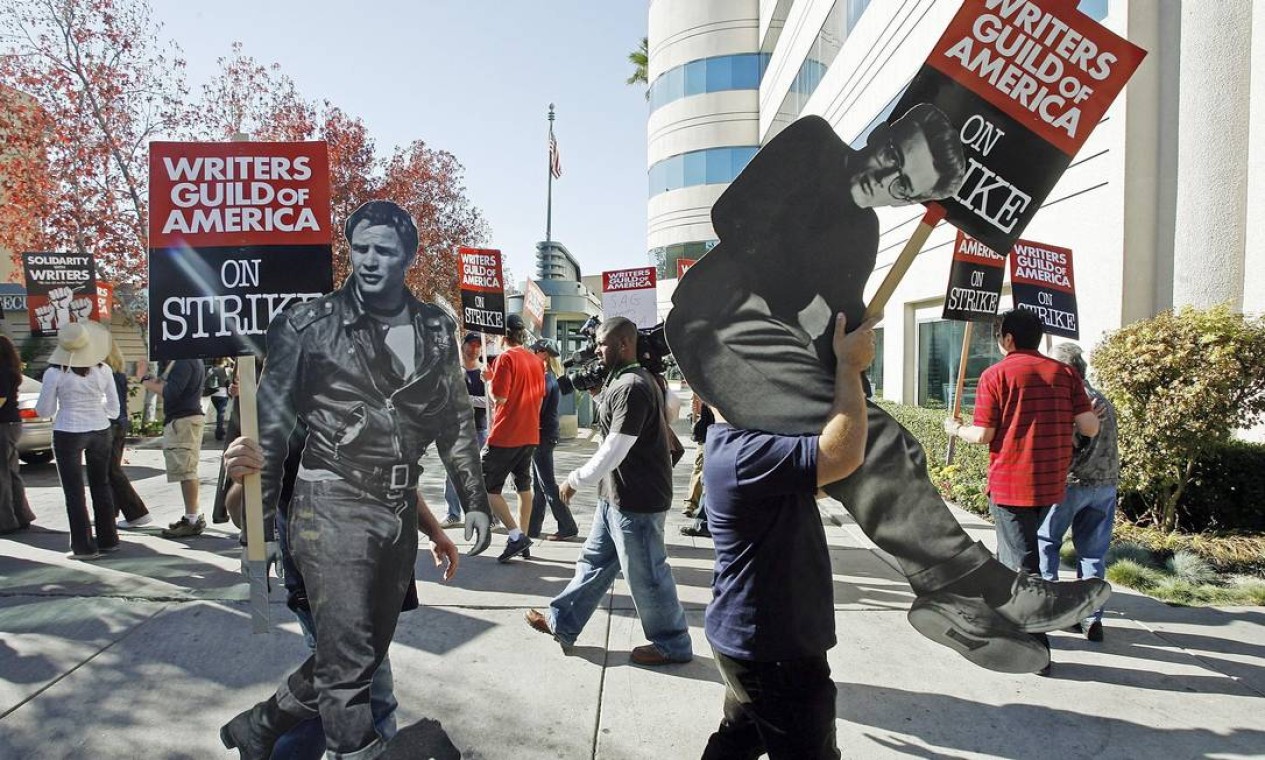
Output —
(633, 473)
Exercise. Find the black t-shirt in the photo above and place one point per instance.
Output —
(632, 404)
(772, 591)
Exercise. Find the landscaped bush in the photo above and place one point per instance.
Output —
(963, 481)
(1227, 490)
(1181, 382)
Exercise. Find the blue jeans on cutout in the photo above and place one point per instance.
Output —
(450, 491)
(1090, 511)
(306, 741)
(632, 542)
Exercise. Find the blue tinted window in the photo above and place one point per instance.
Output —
(695, 78)
(726, 72)
(695, 168)
(716, 166)
(746, 72)
(719, 74)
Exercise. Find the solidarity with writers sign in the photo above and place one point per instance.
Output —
(631, 293)
(482, 290)
(974, 281)
(1023, 83)
(237, 232)
(60, 288)
(1041, 281)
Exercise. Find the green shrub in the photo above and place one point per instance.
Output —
(962, 482)
(1190, 567)
(1252, 590)
(1130, 552)
(1227, 489)
(1181, 382)
(1126, 572)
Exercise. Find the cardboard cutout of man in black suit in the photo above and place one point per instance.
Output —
(796, 230)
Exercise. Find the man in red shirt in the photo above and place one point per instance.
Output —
(1026, 408)
(517, 387)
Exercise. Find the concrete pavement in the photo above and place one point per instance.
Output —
(146, 653)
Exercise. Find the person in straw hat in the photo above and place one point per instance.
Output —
(79, 394)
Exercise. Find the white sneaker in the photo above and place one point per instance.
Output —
(139, 522)
(452, 522)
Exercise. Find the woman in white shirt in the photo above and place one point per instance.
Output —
(79, 394)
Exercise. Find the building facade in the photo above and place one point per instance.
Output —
(1155, 207)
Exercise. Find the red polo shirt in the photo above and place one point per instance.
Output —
(519, 377)
(1031, 400)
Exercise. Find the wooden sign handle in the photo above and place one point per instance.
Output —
(935, 213)
(961, 386)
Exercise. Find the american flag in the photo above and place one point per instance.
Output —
(555, 158)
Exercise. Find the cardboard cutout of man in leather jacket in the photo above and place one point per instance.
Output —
(366, 378)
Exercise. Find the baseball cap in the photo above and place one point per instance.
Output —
(472, 337)
(543, 344)
(515, 322)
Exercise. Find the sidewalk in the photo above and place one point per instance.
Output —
(145, 654)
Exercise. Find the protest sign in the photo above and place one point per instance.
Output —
(60, 288)
(683, 266)
(975, 281)
(237, 233)
(1023, 83)
(535, 302)
(631, 293)
(482, 290)
(105, 302)
(1041, 281)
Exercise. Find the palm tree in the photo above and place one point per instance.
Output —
(640, 59)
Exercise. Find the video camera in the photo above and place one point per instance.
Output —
(653, 354)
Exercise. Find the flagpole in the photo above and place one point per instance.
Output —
(549, 172)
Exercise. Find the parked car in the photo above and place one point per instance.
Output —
(36, 444)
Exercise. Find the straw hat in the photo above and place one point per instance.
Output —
(81, 344)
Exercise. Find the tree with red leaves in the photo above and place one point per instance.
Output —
(89, 84)
(247, 96)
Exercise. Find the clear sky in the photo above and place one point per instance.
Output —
(475, 78)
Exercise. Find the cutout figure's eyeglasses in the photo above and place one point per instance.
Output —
(891, 157)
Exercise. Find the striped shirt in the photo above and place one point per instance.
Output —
(1031, 401)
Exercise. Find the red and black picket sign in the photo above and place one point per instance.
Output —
(482, 290)
(238, 232)
(1023, 83)
(975, 281)
(60, 288)
(1041, 281)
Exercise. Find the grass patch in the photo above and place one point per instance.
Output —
(1184, 578)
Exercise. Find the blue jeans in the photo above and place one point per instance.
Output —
(1090, 511)
(634, 543)
(544, 490)
(356, 551)
(450, 491)
(306, 741)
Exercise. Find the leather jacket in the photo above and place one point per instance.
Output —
(323, 387)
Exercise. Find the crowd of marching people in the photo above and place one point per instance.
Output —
(360, 384)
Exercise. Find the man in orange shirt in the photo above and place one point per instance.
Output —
(517, 388)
